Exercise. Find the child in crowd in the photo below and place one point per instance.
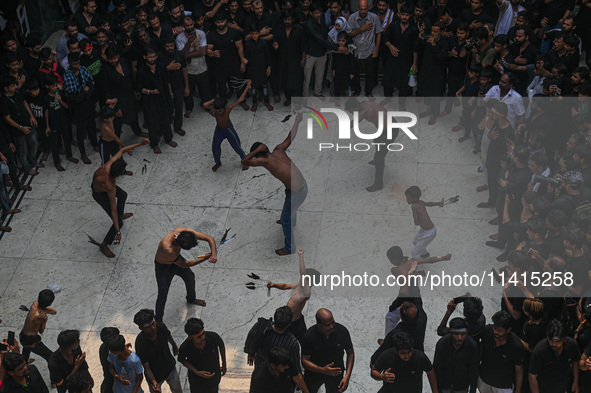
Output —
(427, 231)
(258, 68)
(342, 68)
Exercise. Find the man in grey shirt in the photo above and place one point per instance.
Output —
(366, 30)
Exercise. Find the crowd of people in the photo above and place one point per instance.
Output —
(518, 69)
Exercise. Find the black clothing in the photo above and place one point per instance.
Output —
(397, 68)
(343, 67)
(60, 368)
(468, 16)
(497, 364)
(409, 375)
(259, 58)
(262, 381)
(103, 200)
(34, 383)
(432, 77)
(175, 77)
(417, 331)
(226, 44)
(298, 328)
(207, 359)
(554, 371)
(317, 42)
(157, 353)
(120, 86)
(156, 106)
(15, 107)
(108, 380)
(456, 369)
(323, 351)
(289, 73)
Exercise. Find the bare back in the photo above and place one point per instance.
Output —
(35, 321)
(298, 299)
(280, 165)
(101, 180)
(168, 251)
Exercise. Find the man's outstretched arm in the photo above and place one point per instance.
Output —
(292, 133)
(124, 150)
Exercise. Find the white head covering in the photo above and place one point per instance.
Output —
(333, 33)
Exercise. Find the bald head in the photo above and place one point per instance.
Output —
(325, 321)
(363, 8)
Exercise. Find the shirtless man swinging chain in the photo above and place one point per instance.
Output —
(169, 263)
(300, 295)
(112, 198)
(371, 111)
(427, 231)
(35, 324)
(281, 166)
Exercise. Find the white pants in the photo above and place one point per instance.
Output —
(422, 240)
(483, 387)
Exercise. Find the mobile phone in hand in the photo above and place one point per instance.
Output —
(10, 338)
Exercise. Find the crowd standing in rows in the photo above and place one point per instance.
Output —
(511, 65)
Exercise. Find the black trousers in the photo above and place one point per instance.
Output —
(34, 344)
(379, 160)
(178, 100)
(201, 82)
(135, 126)
(368, 66)
(103, 200)
(164, 276)
(84, 112)
(55, 139)
(107, 149)
(314, 381)
(11, 162)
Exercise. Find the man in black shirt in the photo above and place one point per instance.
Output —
(277, 336)
(277, 374)
(200, 353)
(317, 45)
(224, 46)
(401, 367)
(475, 16)
(578, 262)
(153, 85)
(151, 345)
(323, 347)
(67, 361)
(456, 359)
(501, 359)
(21, 122)
(413, 320)
(176, 70)
(553, 361)
(21, 378)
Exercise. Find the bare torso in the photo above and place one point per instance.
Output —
(107, 132)
(168, 251)
(35, 322)
(372, 112)
(101, 181)
(421, 217)
(223, 121)
(280, 165)
(298, 300)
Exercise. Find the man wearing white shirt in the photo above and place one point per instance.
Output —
(508, 10)
(192, 43)
(504, 92)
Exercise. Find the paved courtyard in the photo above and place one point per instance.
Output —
(341, 227)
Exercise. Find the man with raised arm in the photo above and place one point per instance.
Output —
(112, 198)
(169, 263)
(280, 165)
(300, 295)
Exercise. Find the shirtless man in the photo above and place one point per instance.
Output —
(371, 111)
(281, 166)
(109, 142)
(224, 128)
(404, 267)
(35, 324)
(300, 295)
(427, 232)
(112, 198)
(169, 263)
